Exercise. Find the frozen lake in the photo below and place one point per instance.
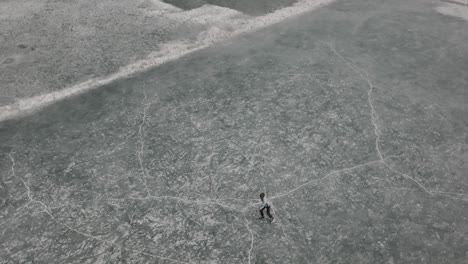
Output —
(352, 118)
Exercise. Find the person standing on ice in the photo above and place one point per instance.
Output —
(265, 205)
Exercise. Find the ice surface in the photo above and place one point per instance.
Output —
(352, 119)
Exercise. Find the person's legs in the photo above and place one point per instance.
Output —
(261, 212)
(268, 212)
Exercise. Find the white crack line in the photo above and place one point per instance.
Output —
(46, 210)
(13, 173)
(229, 207)
(324, 177)
(365, 76)
(432, 193)
(251, 238)
(142, 140)
(451, 193)
(16, 214)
